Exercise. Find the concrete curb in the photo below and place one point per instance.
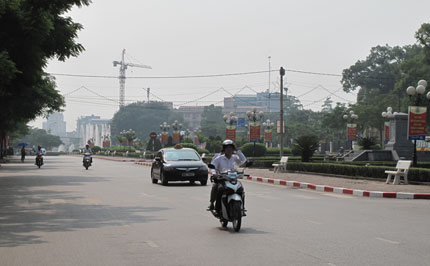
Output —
(322, 188)
(355, 192)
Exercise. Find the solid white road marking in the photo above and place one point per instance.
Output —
(151, 244)
(387, 240)
(313, 222)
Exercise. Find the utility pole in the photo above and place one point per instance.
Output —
(281, 112)
(269, 80)
(147, 93)
(122, 67)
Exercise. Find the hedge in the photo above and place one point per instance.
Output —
(415, 174)
(248, 149)
(276, 151)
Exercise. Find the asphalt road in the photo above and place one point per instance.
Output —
(112, 214)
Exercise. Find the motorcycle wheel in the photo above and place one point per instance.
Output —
(237, 211)
(38, 165)
(86, 167)
(204, 182)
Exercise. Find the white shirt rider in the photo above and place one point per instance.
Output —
(223, 164)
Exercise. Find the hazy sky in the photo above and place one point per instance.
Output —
(194, 37)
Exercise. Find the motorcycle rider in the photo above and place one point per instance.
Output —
(39, 153)
(224, 162)
(87, 150)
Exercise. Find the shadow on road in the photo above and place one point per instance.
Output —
(28, 209)
(244, 230)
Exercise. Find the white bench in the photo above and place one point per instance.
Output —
(281, 166)
(402, 169)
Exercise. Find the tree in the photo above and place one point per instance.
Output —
(143, 118)
(307, 145)
(327, 106)
(212, 123)
(39, 137)
(31, 33)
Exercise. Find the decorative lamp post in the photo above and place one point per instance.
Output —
(230, 131)
(351, 127)
(387, 115)
(164, 133)
(268, 127)
(254, 118)
(417, 116)
(176, 135)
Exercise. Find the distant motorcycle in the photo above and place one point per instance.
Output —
(87, 160)
(231, 200)
(39, 160)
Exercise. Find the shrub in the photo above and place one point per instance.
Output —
(415, 174)
(276, 150)
(307, 145)
(248, 149)
(367, 142)
(189, 145)
(96, 149)
(201, 151)
(187, 140)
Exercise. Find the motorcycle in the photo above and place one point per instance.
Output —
(232, 199)
(87, 160)
(39, 160)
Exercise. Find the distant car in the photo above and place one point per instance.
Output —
(178, 164)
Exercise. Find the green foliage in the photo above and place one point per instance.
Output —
(212, 123)
(366, 142)
(276, 151)
(415, 174)
(143, 118)
(187, 140)
(31, 33)
(96, 149)
(122, 149)
(248, 149)
(307, 145)
(39, 137)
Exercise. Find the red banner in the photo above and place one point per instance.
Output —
(268, 136)
(196, 141)
(417, 122)
(387, 130)
(106, 143)
(164, 138)
(254, 133)
(351, 131)
(176, 137)
(230, 134)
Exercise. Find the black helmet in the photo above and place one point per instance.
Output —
(227, 143)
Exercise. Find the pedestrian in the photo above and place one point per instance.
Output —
(22, 154)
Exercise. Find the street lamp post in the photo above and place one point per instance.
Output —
(164, 130)
(268, 126)
(350, 118)
(254, 117)
(387, 115)
(418, 91)
(230, 121)
(176, 126)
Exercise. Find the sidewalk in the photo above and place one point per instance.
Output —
(355, 184)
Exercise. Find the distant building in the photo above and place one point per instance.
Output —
(262, 101)
(192, 115)
(93, 128)
(55, 125)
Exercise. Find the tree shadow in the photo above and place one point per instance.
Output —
(25, 213)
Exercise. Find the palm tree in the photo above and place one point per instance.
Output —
(307, 145)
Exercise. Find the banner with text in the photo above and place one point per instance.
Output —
(164, 138)
(387, 131)
(351, 131)
(268, 135)
(417, 116)
(176, 137)
(254, 133)
(230, 133)
(278, 126)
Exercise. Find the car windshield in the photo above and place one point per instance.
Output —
(181, 155)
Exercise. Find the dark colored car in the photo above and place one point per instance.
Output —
(178, 164)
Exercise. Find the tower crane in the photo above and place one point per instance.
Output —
(122, 67)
